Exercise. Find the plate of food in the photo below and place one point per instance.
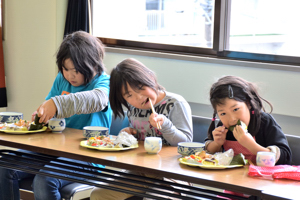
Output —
(23, 127)
(104, 143)
(20, 131)
(208, 166)
(218, 161)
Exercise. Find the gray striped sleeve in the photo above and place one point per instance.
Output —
(80, 103)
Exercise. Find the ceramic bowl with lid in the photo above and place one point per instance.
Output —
(189, 148)
(10, 117)
(94, 131)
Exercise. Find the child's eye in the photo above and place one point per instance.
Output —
(222, 114)
(141, 87)
(236, 109)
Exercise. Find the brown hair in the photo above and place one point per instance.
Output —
(137, 75)
(86, 53)
(236, 88)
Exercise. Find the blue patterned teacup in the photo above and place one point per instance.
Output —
(94, 131)
(265, 159)
(10, 117)
(57, 125)
(153, 144)
(189, 148)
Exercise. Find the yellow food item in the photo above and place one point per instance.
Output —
(24, 129)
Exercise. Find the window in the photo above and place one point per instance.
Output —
(240, 29)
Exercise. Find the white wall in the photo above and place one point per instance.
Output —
(33, 32)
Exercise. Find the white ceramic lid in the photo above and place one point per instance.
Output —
(10, 113)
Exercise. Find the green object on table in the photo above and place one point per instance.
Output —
(239, 160)
(36, 125)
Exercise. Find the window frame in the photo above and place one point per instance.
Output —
(220, 36)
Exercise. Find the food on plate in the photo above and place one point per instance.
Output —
(210, 161)
(1, 125)
(198, 158)
(244, 126)
(22, 125)
(125, 139)
(239, 160)
(204, 158)
(36, 125)
(101, 141)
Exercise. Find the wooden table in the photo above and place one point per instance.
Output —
(164, 164)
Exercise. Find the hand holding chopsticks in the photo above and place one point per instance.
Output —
(157, 123)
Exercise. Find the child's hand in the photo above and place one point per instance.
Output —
(33, 115)
(129, 130)
(244, 138)
(156, 118)
(46, 111)
(219, 135)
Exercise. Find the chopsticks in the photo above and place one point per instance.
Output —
(157, 124)
(250, 162)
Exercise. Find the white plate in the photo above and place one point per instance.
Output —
(23, 132)
(209, 166)
(84, 144)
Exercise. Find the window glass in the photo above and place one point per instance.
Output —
(264, 26)
(171, 22)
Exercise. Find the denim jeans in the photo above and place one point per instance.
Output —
(44, 188)
(9, 184)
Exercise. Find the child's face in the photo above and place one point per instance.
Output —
(73, 77)
(139, 99)
(232, 111)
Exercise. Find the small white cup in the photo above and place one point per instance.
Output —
(153, 145)
(57, 125)
(265, 159)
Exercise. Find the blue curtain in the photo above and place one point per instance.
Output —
(77, 16)
(3, 97)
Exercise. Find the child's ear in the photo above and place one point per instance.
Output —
(249, 105)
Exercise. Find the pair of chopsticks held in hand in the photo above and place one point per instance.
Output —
(157, 124)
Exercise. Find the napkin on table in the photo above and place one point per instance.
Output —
(278, 171)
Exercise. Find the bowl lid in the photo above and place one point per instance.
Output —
(10, 113)
(191, 144)
(95, 128)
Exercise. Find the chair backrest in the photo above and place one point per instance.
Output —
(118, 124)
(294, 143)
(200, 128)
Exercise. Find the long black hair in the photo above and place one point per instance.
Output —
(134, 73)
(236, 88)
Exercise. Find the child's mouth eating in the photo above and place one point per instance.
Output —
(145, 102)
